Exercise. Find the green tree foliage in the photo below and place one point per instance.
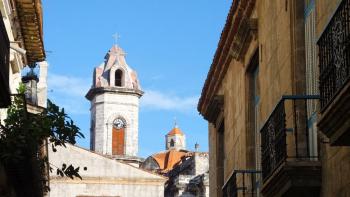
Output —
(23, 135)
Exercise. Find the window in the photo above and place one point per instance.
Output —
(118, 78)
(172, 143)
(220, 158)
(253, 128)
(253, 135)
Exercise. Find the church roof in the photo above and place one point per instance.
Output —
(168, 159)
(111, 168)
(175, 131)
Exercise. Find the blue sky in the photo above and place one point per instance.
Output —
(170, 44)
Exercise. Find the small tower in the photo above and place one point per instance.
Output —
(114, 98)
(175, 139)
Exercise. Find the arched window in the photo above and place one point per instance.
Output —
(118, 78)
(172, 143)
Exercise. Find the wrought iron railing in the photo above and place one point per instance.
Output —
(243, 181)
(285, 134)
(334, 54)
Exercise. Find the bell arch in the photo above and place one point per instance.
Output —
(118, 78)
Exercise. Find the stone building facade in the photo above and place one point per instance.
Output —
(189, 177)
(275, 98)
(187, 171)
(21, 46)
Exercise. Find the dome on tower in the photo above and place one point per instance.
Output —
(175, 131)
(115, 72)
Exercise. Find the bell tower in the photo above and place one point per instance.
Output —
(175, 139)
(114, 97)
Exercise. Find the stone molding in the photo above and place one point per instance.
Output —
(233, 35)
(119, 90)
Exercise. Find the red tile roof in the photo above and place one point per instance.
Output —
(175, 131)
(167, 160)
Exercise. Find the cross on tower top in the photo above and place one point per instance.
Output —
(116, 37)
(175, 123)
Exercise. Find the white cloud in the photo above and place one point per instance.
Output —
(69, 92)
(158, 100)
(69, 85)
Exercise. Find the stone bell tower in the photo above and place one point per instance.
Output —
(114, 97)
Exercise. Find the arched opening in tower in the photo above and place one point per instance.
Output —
(172, 143)
(118, 78)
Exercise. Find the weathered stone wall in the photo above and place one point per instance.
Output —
(106, 108)
(335, 160)
(281, 44)
(275, 55)
(201, 163)
(212, 160)
(275, 78)
(234, 110)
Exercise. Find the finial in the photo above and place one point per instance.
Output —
(116, 37)
(175, 123)
(196, 147)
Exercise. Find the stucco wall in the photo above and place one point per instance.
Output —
(103, 177)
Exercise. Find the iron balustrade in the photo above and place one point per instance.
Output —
(334, 54)
(285, 134)
(230, 187)
(246, 184)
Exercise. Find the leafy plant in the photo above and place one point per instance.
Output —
(23, 136)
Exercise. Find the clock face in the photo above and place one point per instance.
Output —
(118, 123)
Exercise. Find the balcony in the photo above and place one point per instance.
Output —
(4, 66)
(290, 165)
(334, 82)
(241, 183)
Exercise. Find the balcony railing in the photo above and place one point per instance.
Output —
(285, 135)
(334, 54)
(241, 181)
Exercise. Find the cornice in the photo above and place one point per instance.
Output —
(231, 43)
